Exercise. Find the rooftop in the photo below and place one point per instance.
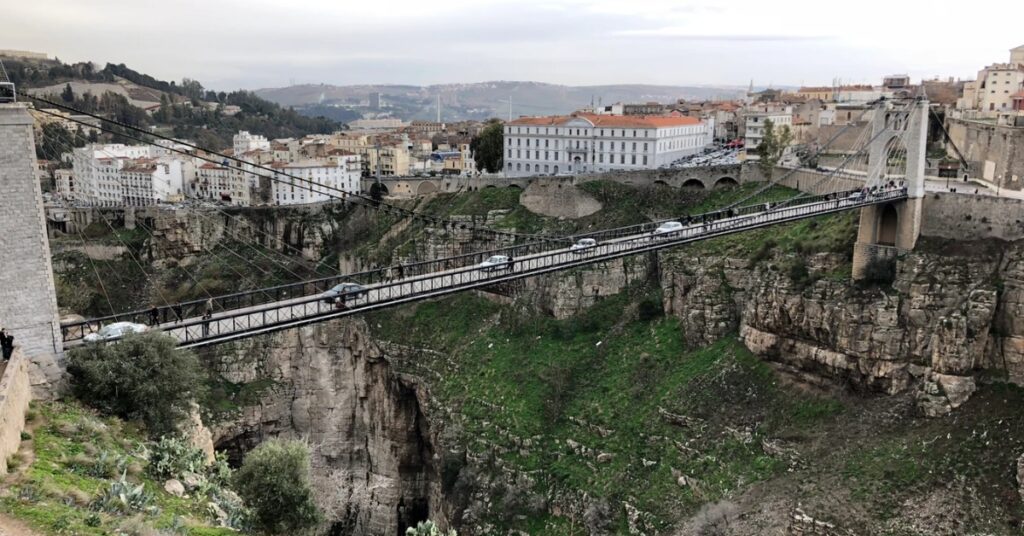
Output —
(625, 121)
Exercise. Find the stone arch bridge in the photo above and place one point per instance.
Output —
(697, 178)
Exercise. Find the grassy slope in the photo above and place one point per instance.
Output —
(528, 376)
(52, 494)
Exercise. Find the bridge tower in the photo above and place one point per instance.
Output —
(28, 300)
(899, 132)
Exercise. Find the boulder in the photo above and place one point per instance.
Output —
(174, 487)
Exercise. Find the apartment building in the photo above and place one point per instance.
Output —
(314, 181)
(585, 142)
(755, 118)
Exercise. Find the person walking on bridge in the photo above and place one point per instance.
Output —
(154, 317)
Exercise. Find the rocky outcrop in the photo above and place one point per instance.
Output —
(558, 199)
(373, 450)
(947, 315)
(565, 294)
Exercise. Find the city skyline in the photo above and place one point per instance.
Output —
(258, 44)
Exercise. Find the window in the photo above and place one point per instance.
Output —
(634, 146)
(546, 143)
(622, 159)
(645, 160)
(527, 142)
(556, 155)
(546, 155)
(536, 155)
(622, 145)
(519, 153)
(600, 145)
(633, 160)
(645, 147)
(510, 153)
(600, 158)
(545, 168)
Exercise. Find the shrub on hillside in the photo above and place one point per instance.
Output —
(880, 271)
(274, 481)
(427, 528)
(143, 377)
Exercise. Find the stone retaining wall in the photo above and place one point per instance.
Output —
(15, 394)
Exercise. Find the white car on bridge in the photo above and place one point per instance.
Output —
(495, 262)
(115, 331)
(668, 228)
(582, 245)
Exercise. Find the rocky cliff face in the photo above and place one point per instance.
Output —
(373, 450)
(949, 314)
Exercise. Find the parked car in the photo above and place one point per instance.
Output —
(343, 290)
(495, 262)
(582, 245)
(667, 228)
(115, 331)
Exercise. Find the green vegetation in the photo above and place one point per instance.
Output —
(90, 476)
(489, 147)
(144, 377)
(274, 479)
(428, 528)
(621, 407)
(773, 145)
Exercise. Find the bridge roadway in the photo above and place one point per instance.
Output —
(246, 322)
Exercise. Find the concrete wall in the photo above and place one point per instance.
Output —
(995, 153)
(972, 217)
(15, 394)
(28, 303)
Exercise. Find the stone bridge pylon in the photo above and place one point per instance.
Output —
(897, 151)
(28, 300)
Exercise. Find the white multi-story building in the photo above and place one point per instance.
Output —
(586, 142)
(97, 171)
(314, 181)
(148, 181)
(993, 92)
(244, 142)
(755, 118)
(216, 182)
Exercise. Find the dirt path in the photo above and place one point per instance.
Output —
(12, 527)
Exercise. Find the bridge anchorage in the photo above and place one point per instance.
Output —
(888, 192)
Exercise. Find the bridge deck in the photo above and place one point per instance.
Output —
(247, 321)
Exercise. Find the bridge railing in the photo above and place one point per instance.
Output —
(251, 298)
(311, 306)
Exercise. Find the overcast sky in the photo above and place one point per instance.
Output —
(227, 44)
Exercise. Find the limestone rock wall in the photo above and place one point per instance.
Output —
(948, 315)
(373, 450)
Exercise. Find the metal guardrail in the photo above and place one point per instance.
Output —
(287, 313)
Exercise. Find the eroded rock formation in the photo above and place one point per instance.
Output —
(373, 450)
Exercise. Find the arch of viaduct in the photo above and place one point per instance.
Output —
(697, 178)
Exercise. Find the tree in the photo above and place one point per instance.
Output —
(488, 147)
(68, 95)
(54, 141)
(773, 145)
(274, 481)
(144, 377)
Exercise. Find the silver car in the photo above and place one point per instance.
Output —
(668, 228)
(582, 245)
(343, 290)
(495, 262)
(115, 331)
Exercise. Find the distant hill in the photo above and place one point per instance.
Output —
(481, 100)
(183, 110)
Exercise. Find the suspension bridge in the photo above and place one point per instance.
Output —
(887, 167)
